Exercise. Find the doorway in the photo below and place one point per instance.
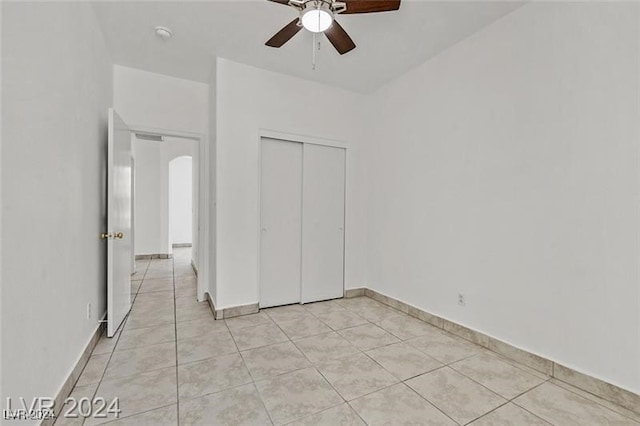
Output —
(181, 230)
(166, 196)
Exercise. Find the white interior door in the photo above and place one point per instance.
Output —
(323, 223)
(280, 222)
(118, 235)
(133, 210)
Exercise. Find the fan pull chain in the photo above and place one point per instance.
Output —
(313, 66)
(315, 47)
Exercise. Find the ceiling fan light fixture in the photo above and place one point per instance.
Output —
(317, 19)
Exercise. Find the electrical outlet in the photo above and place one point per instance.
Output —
(89, 310)
(462, 300)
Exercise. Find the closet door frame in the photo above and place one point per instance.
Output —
(303, 139)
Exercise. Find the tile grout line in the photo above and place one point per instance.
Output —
(312, 365)
(444, 365)
(112, 353)
(299, 369)
(266, 410)
(325, 410)
(591, 400)
(512, 362)
(526, 409)
(488, 412)
(315, 367)
(330, 312)
(507, 400)
(253, 381)
(134, 414)
(175, 330)
(360, 352)
(99, 383)
(429, 402)
(450, 366)
(134, 374)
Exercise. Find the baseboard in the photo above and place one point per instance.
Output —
(194, 267)
(600, 388)
(597, 387)
(212, 305)
(234, 311)
(353, 292)
(252, 308)
(70, 382)
(181, 245)
(237, 311)
(592, 385)
(154, 256)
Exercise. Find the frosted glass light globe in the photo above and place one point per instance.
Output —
(316, 20)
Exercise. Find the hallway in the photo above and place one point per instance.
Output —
(347, 361)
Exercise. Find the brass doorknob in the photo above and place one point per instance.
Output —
(119, 235)
(106, 236)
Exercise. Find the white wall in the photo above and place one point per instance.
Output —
(154, 101)
(180, 200)
(149, 205)
(152, 191)
(56, 88)
(210, 173)
(249, 99)
(146, 99)
(180, 147)
(506, 169)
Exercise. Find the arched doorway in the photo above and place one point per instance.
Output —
(181, 202)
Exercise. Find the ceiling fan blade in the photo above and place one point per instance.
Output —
(339, 38)
(369, 6)
(285, 34)
(285, 2)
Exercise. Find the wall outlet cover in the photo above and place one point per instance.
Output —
(462, 299)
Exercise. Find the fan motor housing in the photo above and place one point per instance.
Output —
(331, 5)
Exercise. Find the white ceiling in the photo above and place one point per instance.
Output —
(388, 44)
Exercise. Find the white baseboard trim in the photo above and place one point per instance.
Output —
(154, 256)
(601, 389)
(212, 305)
(234, 311)
(70, 382)
(582, 381)
(353, 292)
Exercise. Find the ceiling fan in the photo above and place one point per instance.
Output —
(318, 16)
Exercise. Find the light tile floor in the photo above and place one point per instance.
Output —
(343, 362)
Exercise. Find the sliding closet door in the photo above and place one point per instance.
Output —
(323, 223)
(280, 222)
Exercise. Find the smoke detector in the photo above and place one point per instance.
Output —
(163, 32)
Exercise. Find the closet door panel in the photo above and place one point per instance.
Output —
(323, 223)
(280, 222)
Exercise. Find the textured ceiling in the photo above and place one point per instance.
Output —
(388, 44)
